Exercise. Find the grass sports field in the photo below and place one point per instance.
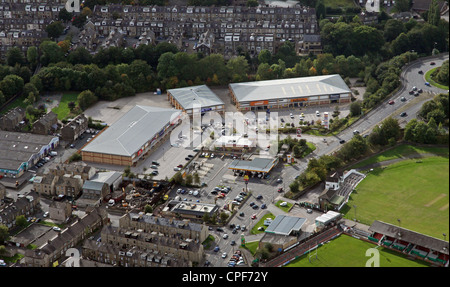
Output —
(346, 251)
(414, 191)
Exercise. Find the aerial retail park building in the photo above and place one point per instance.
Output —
(289, 93)
(197, 97)
(132, 137)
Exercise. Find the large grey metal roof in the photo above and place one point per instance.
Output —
(128, 134)
(201, 95)
(284, 225)
(289, 88)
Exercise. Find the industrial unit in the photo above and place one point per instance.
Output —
(289, 93)
(201, 97)
(133, 136)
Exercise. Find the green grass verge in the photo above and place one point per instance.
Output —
(402, 151)
(284, 208)
(432, 82)
(346, 251)
(62, 110)
(414, 191)
(252, 247)
(261, 223)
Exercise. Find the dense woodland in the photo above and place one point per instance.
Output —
(373, 53)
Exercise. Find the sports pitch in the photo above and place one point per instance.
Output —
(416, 192)
(346, 251)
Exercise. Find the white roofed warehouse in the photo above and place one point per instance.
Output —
(188, 98)
(290, 93)
(133, 136)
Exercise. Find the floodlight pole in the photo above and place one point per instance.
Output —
(354, 206)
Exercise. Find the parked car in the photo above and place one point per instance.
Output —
(391, 102)
(404, 114)
(403, 99)
(427, 84)
(342, 141)
(421, 72)
(432, 63)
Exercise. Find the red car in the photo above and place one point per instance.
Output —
(280, 190)
(253, 216)
(391, 102)
(180, 165)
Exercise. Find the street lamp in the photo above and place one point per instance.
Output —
(444, 235)
(399, 222)
(354, 206)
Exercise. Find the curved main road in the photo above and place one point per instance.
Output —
(410, 77)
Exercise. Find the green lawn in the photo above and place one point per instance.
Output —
(63, 110)
(252, 246)
(414, 191)
(284, 208)
(261, 223)
(402, 151)
(346, 251)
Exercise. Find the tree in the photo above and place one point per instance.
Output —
(178, 178)
(402, 5)
(15, 56)
(21, 221)
(320, 10)
(148, 208)
(64, 15)
(50, 53)
(252, 3)
(434, 13)
(86, 99)
(4, 234)
(196, 178)
(55, 29)
(294, 186)
(265, 56)
(392, 29)
(189, 179)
